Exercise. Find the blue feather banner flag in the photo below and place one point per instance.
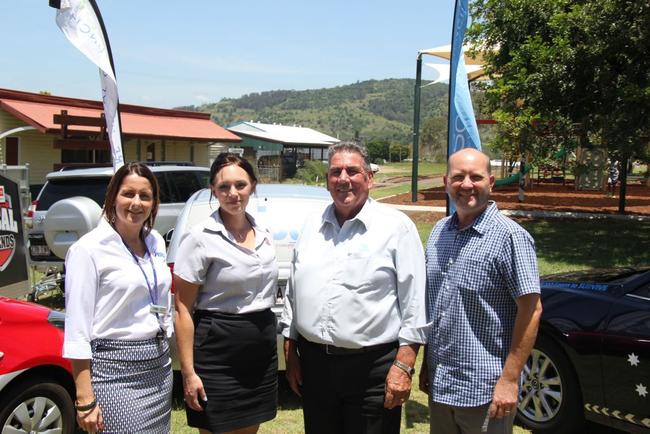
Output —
(462, 129)
(463, 132)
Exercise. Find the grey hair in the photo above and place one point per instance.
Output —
(351, 147)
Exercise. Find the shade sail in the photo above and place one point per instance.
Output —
(444, 52)
(474, 72)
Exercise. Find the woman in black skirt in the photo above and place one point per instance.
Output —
(118, 313)
(225, 281)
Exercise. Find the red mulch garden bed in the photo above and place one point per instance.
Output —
(548, 197)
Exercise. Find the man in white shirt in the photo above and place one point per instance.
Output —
(354, 314)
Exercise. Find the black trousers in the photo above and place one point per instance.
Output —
(344, 394)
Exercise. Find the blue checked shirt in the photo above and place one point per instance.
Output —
(474, 276)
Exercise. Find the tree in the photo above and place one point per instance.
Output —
(399, 152)
(568, 67)
(378, 149)
(433, 140)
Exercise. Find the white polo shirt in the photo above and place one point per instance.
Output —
(232, 278)
(106, 294)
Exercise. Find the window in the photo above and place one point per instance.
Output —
(11, 151)
(151, 152)
(55, 190)
(165, 197)
(85, 156)
(183, 184)
(642, 292)
(76, 156)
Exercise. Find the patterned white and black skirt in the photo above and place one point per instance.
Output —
(132, 381)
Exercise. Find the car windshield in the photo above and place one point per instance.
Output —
(59, 189)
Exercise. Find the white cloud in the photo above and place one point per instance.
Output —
(204, 98)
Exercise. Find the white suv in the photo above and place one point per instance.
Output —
(177, 183)
(283, 208)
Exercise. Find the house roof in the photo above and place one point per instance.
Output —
(288, 135)
(137, 121)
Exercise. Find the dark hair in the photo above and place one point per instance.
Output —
(351, 147)
(229, 159)
(135, 168)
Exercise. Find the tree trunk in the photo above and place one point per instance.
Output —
(621, 197)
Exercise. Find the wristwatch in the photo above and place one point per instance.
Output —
(404, 367)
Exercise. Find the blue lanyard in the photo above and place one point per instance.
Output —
(152, 291)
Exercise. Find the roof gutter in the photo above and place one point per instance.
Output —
(16, 130)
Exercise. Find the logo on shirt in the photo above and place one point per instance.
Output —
(159, 254)
(8, 230)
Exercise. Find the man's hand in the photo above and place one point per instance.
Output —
(293, 370)
(398, 382)
(398, 388)
(504, 399)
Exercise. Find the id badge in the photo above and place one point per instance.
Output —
(158, 309)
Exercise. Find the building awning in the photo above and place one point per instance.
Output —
(137, 121)
(289, 136)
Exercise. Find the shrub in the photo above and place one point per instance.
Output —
(312, 172)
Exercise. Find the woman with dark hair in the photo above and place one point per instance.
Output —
(225, 283)
(118, 313)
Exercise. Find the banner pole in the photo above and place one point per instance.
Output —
(416, 129)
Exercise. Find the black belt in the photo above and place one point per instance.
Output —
(340, 351)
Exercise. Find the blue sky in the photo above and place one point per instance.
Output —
(172, 53)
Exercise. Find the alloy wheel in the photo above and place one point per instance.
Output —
(540, 389)
(34, 415)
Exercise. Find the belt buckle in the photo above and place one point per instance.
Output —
(327, 349)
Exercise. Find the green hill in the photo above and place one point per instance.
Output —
(373, 109)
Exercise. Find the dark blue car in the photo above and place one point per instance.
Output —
(592, 355)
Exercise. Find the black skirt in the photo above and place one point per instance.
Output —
(235, 355)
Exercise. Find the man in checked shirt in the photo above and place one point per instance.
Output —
(483, 302)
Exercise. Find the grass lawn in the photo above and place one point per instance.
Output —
(391, 190)
(566, 245)
(425, 168)
(392, 170)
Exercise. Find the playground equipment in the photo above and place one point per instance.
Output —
(514, 178)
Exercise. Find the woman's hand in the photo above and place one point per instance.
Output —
(193, 391)
(293, 369)
(91, 420)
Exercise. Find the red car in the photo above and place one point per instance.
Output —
(36, 387)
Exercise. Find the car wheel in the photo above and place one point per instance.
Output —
(37, 407)
(549, 396)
